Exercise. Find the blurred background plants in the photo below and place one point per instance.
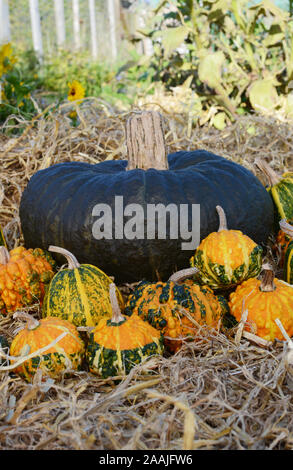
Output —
(211, 59)
(237, 55)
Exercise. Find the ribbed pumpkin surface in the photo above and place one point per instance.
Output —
(226, 258)
(114, 348)
(264, 307)
(171, 308)
(23, 278)
(80, 295)
(68, 352)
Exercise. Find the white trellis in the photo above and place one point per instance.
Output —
(112, 23)
(94, 43)
(36, 28)
(5, 35)
(76, 23)
(102, 26)
(60, 22)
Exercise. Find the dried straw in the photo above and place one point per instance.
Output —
(218, 392)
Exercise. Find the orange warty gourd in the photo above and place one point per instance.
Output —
(23, 277)
(176, 309)
(266, 300)
(67, 353)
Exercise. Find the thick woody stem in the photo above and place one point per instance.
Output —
(117, 317)
(183, 274)
(4, 255)
(271, 175)
(71, 260)
(286, 228)
(145, 141)
(222, 219)
(267, 283)
(31, 322)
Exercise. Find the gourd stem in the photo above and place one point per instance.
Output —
(222, 219)
(183, 274)
(31, 322)
(145, 141)
(267, 283)
(286, 228)
(71, 260)
(268, 172)
(4, 255)
(117, 317)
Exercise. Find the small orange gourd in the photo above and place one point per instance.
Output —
(116, 345)
(266, 300)
(64, 354)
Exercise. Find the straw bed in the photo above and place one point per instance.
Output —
(220, 392)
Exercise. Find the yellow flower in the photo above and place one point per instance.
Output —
(76, 91)
(6, 58)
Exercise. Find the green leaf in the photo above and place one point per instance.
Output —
(219, 121)
(210, 68)
(263, 95)
(273, 39)
(172, 38)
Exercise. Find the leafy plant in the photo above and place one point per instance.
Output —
(239, 55)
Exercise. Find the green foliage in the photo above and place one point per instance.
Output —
(216, 59)
(16, 87)
(238, 53)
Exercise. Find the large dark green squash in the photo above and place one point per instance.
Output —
(56, 207)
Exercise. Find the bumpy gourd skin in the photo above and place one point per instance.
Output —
(226, 258)
(68, 352)
(169, 307)
(114, 348)
(24, 277)
(80, 295)
(264, 307)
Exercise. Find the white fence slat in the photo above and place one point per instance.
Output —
(36, 28)
(76, 23)
(60, 22)
(5, 35)
(93, 28)
(112, 23)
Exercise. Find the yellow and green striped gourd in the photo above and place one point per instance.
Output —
(79, 293)
(287, 229)
(280, 188)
